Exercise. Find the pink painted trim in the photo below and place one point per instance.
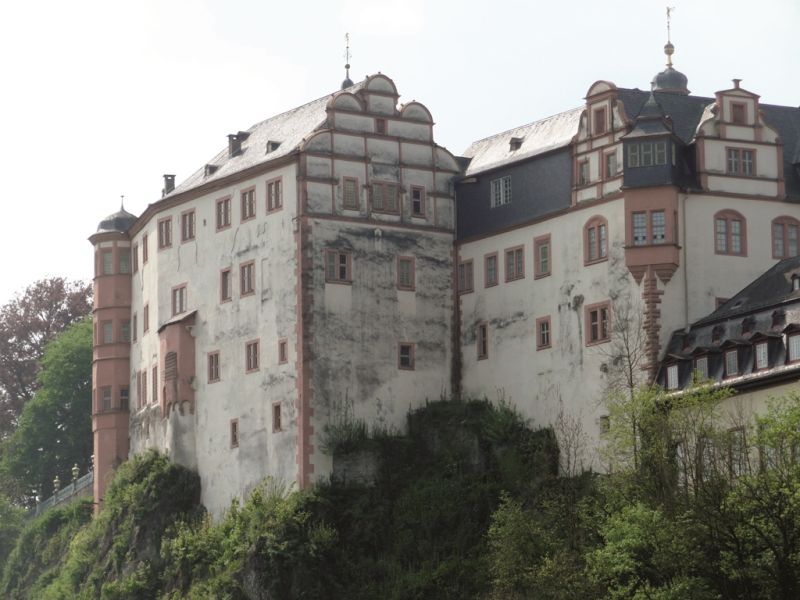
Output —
(588, 310)
(594, 223)
(739, 150)
(729, 216)
(174, 297)
(600, 121)
(186, 215)
(539, 321)
(336, 254)
(412, 261)
(784, 221)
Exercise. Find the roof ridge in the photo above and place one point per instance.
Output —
(495, 135)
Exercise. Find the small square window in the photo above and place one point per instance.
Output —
(738, 113)
(405, 273)
(405, 356)
(234, 433)
(252, 356)
(276, 417)
(337, 266)
(213, 366)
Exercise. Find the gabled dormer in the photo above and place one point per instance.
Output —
(738, 152)
(598, 155)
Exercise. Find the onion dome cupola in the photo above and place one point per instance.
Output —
(120, 222)
(669, 80)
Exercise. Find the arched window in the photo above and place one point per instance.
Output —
(784, 237)
(595, 240)
(730, 233)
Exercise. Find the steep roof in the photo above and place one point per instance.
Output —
(289, 129)
(536, 138)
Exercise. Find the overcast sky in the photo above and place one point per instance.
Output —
(100, 98)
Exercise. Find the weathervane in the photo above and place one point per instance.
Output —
(669, 48)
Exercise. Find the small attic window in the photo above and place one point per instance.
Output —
(688, 341)
(210, 170)
(778, 317)
(717, 332)
(795, 282)
(748, 324)
(272, 146)
(515, 143)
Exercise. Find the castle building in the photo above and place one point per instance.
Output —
(333, 263)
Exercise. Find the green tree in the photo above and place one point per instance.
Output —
(55, 428)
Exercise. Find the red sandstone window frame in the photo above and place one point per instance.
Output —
(180, 299)
(465, 277)
(544, 326)
(595, 240)
(785, 222)
(334, 266)
(356, 201)
(283, 351)
(223, 213)
(491, 281)
(225, 285)
(247, 204)
(482, 340)
(410, 284)
(188, 225)
(212, 362)
(597, 321)
(406, 356)
(274, 189)
(738, 160)
(542, 266)
(608, 172)
(417, 189)
(738, 113)
(247, 278)
(277, 426)
(135, 257)
(729, 217)
(515, 268)
(165, 233)
(144, 249)
(583, 175)
(234, 433)
(385, 206)
(600, 121)
(252, 356)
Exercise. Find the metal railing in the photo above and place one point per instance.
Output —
(67, 493)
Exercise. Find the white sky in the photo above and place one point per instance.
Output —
(100, 98)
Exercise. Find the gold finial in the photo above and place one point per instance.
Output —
(669, 49)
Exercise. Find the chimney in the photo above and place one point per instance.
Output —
(234, 145)
(736, 83)
(169, 185)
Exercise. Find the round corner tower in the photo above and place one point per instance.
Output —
(111, 315)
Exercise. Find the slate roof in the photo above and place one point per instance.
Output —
(289, 128)
(537, 138)
(772, 288)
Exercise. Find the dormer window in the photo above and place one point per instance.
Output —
(272, 146)
(209, 170)
(701, 367)
(747, 325)
(732, 363)
(500, 191)
(672, 377)
(647, 154)
(741, 162)
(599, 121)
(515, 143)
(762, 356)
(778, 317)
(716, 333)
(793, 344)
